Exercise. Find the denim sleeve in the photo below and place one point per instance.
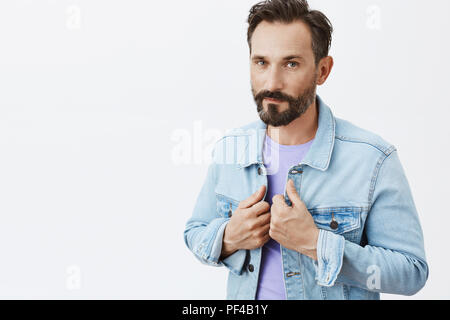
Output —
(203, 233)
(393, 258)
(330, 252)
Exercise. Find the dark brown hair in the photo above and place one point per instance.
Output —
(287, 11)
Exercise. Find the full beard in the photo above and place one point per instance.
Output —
(296, 106)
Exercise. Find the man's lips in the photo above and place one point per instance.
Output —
(272, 100)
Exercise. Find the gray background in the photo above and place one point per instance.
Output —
(108, 111)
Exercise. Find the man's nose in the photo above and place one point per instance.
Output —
(274, 80)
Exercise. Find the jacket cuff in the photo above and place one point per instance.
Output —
(330, 255)
(234, 262)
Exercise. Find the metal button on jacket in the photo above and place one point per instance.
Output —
(260, 171)
(251, 268)
(334, 224)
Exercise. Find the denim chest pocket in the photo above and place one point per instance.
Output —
(340, 220)
(226, 205)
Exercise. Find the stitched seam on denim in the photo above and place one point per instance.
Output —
(332, 139)
(218, 261)
(210, 244)
(259, 146)
(341, 256)
(237, 134)
(328, 268)
(226, 198)
(246, 160)
(349, 229)
(259, 268)
(383, 149)
(345, 288)
(302, 273)
(323, 291)
(319, 256)
(246, 163)
(323, 255)
(222, 198)
(374, 180)
(321, 241)
(233, 270)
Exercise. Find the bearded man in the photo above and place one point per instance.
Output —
(301, 204)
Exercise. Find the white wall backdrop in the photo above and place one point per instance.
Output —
(98, 98)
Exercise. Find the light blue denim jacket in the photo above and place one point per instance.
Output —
(349, 175)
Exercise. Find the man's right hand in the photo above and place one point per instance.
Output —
(248, 227)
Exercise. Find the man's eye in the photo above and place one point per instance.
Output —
(295, 64)
(259, 63)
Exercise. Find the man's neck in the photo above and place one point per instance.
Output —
(299, 131)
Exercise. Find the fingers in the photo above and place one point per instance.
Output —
(263, 220)
(265, 230)
(292, 193)
(278, 200)
(263, 236)
(257, 224)
(254, 198)
(259, 208)
(266, 236)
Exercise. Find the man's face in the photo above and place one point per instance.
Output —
(282, 67)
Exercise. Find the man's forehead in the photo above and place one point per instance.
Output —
(279, 39)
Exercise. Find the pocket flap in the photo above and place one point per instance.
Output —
(337, 219)
(226, 205)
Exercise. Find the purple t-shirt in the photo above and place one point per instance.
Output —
(278, 159)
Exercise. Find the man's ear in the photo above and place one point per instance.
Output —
(324, 69)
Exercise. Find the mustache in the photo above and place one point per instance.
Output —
(277, 95)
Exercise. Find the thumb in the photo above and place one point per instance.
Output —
(254, 198)
(292, 193)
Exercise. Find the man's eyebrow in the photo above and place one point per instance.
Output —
(290, 57)
(293, 57)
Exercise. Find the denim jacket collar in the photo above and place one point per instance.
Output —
(319, 154)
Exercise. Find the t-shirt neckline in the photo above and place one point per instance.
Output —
(287, 148)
